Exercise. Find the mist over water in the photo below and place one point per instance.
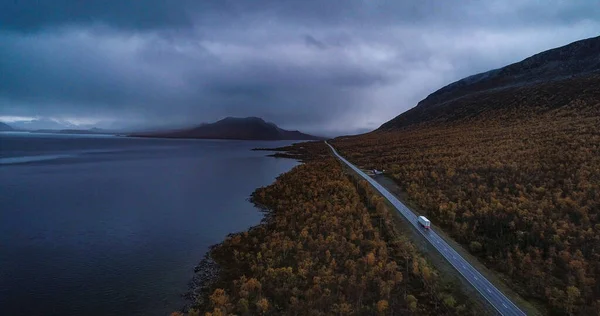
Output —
(113, 225)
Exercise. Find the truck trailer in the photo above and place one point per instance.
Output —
(424, 222)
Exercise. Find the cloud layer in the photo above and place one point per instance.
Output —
(328, 67)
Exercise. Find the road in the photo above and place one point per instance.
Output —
(500, 302)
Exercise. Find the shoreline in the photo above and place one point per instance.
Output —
(314, 254)
(207, 271)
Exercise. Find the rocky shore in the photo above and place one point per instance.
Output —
(205, 274)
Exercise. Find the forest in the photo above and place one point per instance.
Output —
(327, 246)
(514, 176)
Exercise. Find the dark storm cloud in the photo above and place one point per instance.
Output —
(324, 66)
(33, 15)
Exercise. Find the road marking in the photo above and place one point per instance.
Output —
(504, 305)
(489, 290)
(464, 266)
(475, 278)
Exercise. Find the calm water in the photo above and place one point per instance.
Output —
(114, 226)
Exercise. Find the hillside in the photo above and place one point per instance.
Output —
(506, 162)
(250, 128)
(5, 127)
(571, 69)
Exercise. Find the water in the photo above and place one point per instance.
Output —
(114, 225)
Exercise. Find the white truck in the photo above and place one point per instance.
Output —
(424, 222)
(377, 172)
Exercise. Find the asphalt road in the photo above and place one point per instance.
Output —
(500, 302)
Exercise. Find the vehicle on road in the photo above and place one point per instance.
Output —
(424, 222)
(377, 172)
(493, 295)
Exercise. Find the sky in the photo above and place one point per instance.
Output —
(324, 67)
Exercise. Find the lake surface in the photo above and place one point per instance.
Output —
(114, 226)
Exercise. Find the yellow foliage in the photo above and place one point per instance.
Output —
(327, 246)
(382, 306)
(262, 305)
(517, 183)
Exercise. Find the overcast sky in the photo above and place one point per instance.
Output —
(328, 67)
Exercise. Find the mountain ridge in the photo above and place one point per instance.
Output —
(235, 128)
(506, 159)
(580, 59)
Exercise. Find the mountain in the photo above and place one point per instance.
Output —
(551, 77)
(508, 160)
(75, 131)
(44, 123)
(249, 128)
(5, 127)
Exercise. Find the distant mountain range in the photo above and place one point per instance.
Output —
(75, 131)
(249, 128)
(44, 124)
(552, 77)
(5, 127)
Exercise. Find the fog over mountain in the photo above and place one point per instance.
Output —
(576, 64)
(321, 67)
(248, 128)
(5, 127)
